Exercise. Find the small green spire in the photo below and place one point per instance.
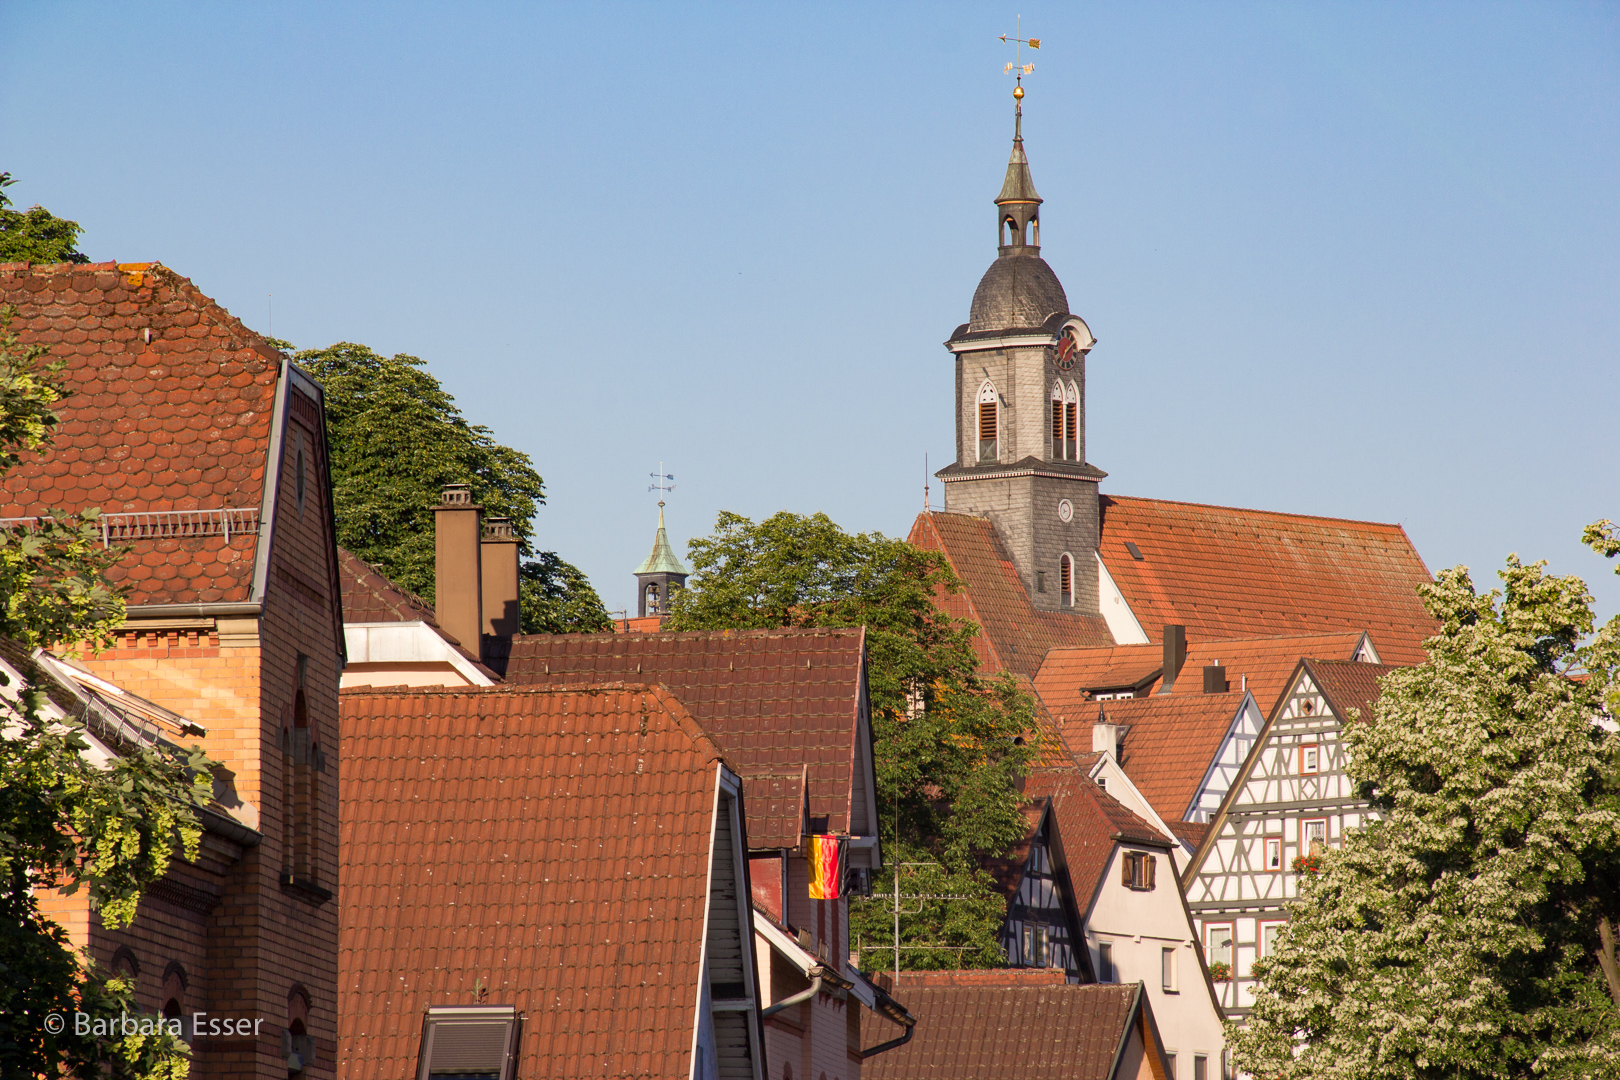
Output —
(662, 560)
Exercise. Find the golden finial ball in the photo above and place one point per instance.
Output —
(1018, 92)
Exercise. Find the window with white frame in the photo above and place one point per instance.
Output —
(1167, 969)
(1268, 936)
(1310, 758)
(988, 422)
(1313, 839)
(1218, 944)
(1274, 853)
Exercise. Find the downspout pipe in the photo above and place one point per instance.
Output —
(800, 997)
(874, 1051)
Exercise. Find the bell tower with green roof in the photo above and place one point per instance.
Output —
(660, 574)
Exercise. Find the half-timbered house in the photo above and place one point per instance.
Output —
(1092, 892)
(1292, 799)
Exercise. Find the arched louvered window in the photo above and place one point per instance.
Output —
(989, 422)
(1066, 580)
(1058, 453)
(1071, 423)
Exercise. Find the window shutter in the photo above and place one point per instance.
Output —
(987, 421)
(1147, 876)
(1128, 863)
(1057, 429)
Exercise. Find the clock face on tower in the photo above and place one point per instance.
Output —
(1065, 351)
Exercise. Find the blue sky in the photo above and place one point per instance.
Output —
(1360, 260)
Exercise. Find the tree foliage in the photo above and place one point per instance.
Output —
(1465, 933)
(65, 822)
(397, 439)
(949, 744)
(33, 235)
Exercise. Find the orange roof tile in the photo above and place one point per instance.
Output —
(774, 699)
(1223, 572)
(1349, 686)
(969, 1031)
(1089, 821)
(1261, 664)
(170, 411)
(370, 597)
(1171, 742)
(553, 844)
(1013, 635)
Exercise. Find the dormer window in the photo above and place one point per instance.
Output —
(988, 422)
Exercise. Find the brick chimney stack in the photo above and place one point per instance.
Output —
(457, 574)
(498, 553)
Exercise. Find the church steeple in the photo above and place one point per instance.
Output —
(1018, 208)
(660, 574)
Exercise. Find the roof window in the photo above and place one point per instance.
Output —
(469, 1042)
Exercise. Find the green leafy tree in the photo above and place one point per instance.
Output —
(64, 822)
(950, 744)
(397, 439)
(1468, 932)
(33, 235)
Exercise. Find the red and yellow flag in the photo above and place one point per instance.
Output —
(827, 865)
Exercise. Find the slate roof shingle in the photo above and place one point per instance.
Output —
(180, 422)
(1266, 664)
(776, 700)
(553, 843)
(1224, 572)
(977, 1032)
(1013, 635)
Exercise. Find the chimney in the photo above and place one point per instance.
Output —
(1215, 679)
(498, 556)
(457, 590)
(1105, 736)
(1175, 655)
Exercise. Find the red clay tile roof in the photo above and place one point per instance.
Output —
(552, 843)
(973, 1032)
(1088, 822)
(974, 977)
(370, 597)
(1267, 663)
(1227, 573)
(774, 699)
(1013, 635)
(1171, 743)
(776, 807)
(180, 423)
(1190, 833)
(1348, 686)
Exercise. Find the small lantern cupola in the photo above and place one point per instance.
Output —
(659, 576)
(1018, 208)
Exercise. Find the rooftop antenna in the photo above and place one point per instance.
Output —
(1020, 68)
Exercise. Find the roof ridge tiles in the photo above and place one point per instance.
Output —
(1250, 510)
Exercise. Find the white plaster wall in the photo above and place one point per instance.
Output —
(1139, 925)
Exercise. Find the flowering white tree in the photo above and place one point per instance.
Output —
(1469, 932)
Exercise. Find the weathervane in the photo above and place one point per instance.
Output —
(662, 483)
(1020, 68)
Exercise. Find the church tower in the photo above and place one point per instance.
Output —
(1021, 408)
(660, 575)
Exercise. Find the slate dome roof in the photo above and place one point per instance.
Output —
(1017, 292)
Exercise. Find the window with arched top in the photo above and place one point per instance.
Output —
(651, 606)
(1071, 422)
(1066, 580)
(1057, 422)
(989, 422)
(303, 763)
